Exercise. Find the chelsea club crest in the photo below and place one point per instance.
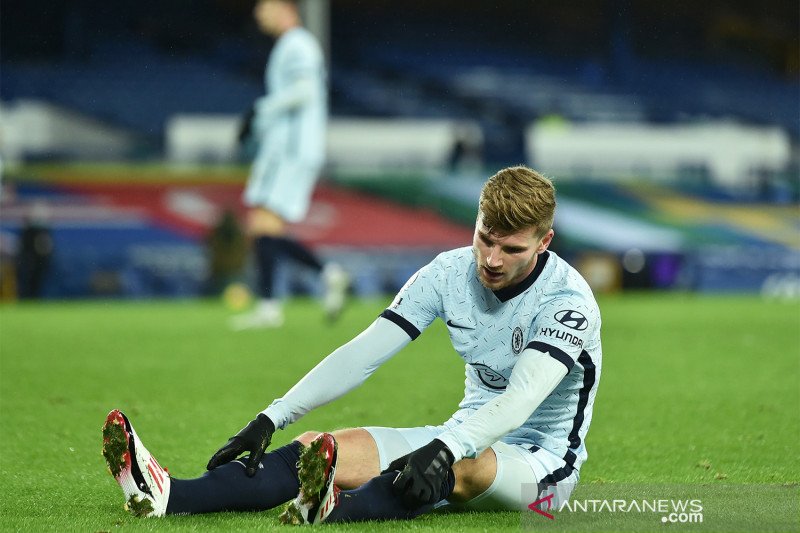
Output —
(516, 340)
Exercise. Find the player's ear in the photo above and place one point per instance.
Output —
(545, 242)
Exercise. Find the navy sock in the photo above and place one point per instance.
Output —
(266, 254)
(299, 253)
(374, 500)
(227, 487)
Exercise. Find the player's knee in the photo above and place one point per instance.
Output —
(467, 486)
(262, 222)
(474, 476)
(306, 438)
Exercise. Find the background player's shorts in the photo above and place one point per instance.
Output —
(282, 186)
(521, 474)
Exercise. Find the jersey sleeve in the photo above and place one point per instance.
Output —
(340, 372)
(533, 379)
(563, 327)
(419, 302)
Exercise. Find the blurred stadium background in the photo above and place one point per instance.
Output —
(671, 130)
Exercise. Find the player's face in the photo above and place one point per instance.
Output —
(505, 260)
(268, 14)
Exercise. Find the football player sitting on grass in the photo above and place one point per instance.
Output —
(528, 329)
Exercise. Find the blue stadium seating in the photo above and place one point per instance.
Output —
(387, 70)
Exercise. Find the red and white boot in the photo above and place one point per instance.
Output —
(318, 495)
(145, 483)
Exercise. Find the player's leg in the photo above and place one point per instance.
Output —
(282, 192)
(375, 499)
(285, 200)
(335, 280)
(150, 490)
(228, 488)
(520, 478)
(364, 453)
(492, 481)
(356, 467)
(472, 476)
(495, 480)
(294, 186)
(263, 227)
(358, 459)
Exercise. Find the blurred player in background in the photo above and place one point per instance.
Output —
(288, 125)
(528, 328)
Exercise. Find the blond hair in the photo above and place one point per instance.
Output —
(517, 198)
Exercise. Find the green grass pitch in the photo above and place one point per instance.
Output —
(699, 391)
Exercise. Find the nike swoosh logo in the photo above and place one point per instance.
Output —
(450, 323)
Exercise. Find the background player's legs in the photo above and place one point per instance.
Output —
(299, 252)
(227, 487)
(265, 229)
(266, 251)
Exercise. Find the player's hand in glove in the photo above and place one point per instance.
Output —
(422, 474)
(253, 438)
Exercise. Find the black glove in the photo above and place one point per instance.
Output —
(253, 438)
(422, 474)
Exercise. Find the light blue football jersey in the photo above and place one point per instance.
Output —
(290, 124)
(552, 310)
(296, 133)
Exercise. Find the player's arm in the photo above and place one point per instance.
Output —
(305, 74)
(340, 372)
(343, 370)
(533, 378)
(542, 365)
(423, 472)
(412, 311)
(301, 90)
